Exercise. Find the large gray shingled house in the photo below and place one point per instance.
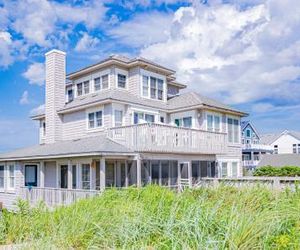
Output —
(117, 123)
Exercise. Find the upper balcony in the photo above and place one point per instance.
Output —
(161, 138)
(257, 147)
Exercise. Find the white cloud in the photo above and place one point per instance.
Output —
(236, 54)
(87, 43)
(6, 49)
(35, 74)
(38, 110)
(24, 98)
(143, 29)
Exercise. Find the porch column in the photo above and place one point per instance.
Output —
(126, 173)
(42, 174)
(159, 174)
(179, 173)
(139, 172)
(70, 175)
(190, 174)
(102, 173)
(252, 156)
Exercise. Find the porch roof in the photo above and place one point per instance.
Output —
(91, 146)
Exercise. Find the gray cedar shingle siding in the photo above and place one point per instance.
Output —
(280, 160)
(90, 145)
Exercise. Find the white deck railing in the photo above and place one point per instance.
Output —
(152, 137)
(277, 183)
(54, 196)
(262, 147)
(249, 163)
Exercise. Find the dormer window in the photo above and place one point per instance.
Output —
(152, 87)
(121, 81)
(86, 87)
(79, 89)
(101, 83)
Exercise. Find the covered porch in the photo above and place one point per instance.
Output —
(61, 182)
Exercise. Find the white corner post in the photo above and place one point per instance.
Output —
(42, 174)
(102, 173)
(179, 174)
(190, 175)
(70, 175)
(139, 172)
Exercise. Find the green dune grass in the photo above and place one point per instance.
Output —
(158, 218)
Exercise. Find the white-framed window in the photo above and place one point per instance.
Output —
(118, 118)
(121, 80)
(141, 117)
(95, 119)
(294, 148)
(153, 87)
(275, 149)
(79, 89)
(224, 170)
(248, 133)
(185, 122)
(70, 95)
(213, 123)
(2, 170)
(101, 82)
(234, 169)
(233, 130)
(11, 176)
(86, 176)
(86, 85)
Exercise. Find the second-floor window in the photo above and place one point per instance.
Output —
(140, 117)
(153, 88)
(185, 122)
(121, 81)
(248, 133)
(101, 82)
(95, 119)
(79, 89)
(118, 118)
(86, 87)
(70, 95)
(213, 123)
(233, 130)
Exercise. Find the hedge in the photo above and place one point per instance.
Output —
(277, 171)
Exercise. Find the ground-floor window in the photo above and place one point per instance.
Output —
(31, 175)
(234, 169)
(224, 170)
(1, 177)
(86, 176)
(11, 176)
(74, 176)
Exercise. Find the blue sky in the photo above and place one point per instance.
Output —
(245, 53)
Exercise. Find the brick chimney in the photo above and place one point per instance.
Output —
(55, 93)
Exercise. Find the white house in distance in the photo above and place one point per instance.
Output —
(287, 142)
(117, 123)
(253, 148)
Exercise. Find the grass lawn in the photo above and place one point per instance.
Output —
(158, 218)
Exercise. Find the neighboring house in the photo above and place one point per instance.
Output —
(280, 160)
(117, 123)
(287, 142)
(253, 148)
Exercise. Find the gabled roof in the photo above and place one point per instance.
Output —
(96, 145)
(244, 125)
(185, 101)
(280, 160)
(270, 138)
(122, 61)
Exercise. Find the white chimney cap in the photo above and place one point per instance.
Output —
(55, 51)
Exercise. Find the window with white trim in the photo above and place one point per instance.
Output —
(101, 82)
(86, 176)
(224, 171)
(233, 130)
(79, 89)
(122, 81)
(185, 122)
(11, 176)
(95, 120)
(275, 149)
(118, 118)
(234, 169)
(213, 123)
(86, 87)
(141, 117)
(152, 87)
(2, 176)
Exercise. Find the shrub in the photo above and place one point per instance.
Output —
(277, 171)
